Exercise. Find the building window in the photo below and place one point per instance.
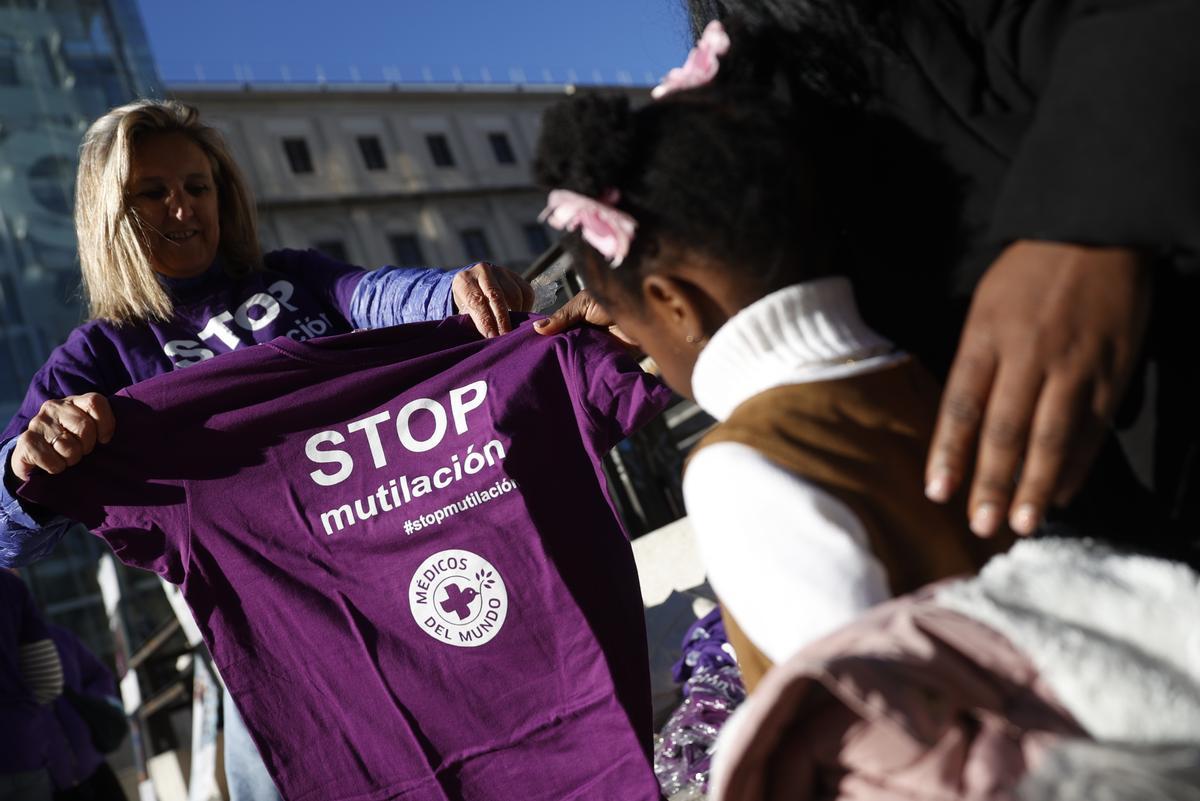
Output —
(406, 250)
(333, 248)
(537, 238)
(52, 183)
(439, 149)
(372, 153)
(298, 156)
(475, 244)
(54, 65)
(8, 61)
(10, 305)
(8, 70)
(502, 148)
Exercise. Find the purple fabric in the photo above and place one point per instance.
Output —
(398, 549)
(705, 648)
(73, 758)
(23, 540)
(300, 294)
(712, 689)
(23, 731)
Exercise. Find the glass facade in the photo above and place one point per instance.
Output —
(62, 64)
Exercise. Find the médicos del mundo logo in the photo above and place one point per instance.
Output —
(458, 598)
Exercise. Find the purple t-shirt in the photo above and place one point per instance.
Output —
(399, 550)
(298, 294)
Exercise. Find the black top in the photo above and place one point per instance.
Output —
(1069, 121)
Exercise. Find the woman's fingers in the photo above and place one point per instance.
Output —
(96, 406)
(517, 291)
(62, 433)
(34, 452)
(75, 429)
(471, 299)
(486, 293)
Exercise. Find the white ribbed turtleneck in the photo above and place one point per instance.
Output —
(805, 332)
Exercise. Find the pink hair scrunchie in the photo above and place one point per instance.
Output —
(701, 65)
(606, 228)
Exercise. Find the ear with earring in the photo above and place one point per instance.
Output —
(698, 341)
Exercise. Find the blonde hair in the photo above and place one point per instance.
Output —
(114, 248)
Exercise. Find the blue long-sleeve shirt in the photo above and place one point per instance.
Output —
(299, 294)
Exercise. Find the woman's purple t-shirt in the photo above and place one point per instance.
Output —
(299, 294)
(399, 550)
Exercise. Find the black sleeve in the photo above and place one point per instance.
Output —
(1112, 153)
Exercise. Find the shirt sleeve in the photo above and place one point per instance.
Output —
(1110, 157)
(126, 491)
(789, 561)
(614, 394)
(369, 298)
(74, 368)
(397, 295)
(24, 540)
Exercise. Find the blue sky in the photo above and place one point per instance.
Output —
(417, 39)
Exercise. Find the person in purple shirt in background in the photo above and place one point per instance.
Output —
(174, 276)
(77, 768)
(30, 677)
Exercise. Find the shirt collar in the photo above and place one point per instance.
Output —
(192, 283)
(793, 334)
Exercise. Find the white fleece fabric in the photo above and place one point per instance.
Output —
(1078, 770)
(1115, 636)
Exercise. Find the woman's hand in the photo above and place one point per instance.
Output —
(487, 293)
(1049, 345)
(62, 433)
(581, 310)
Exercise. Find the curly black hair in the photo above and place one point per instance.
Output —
(781, 169)
(733, 170)
(833, 41)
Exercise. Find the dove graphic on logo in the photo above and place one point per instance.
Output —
(458, 598)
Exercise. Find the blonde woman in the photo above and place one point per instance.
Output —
(173, 275)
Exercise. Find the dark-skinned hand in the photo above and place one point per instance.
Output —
(1052, 337)
(581, 310)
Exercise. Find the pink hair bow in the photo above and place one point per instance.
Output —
(605, 227)
(701, 65)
